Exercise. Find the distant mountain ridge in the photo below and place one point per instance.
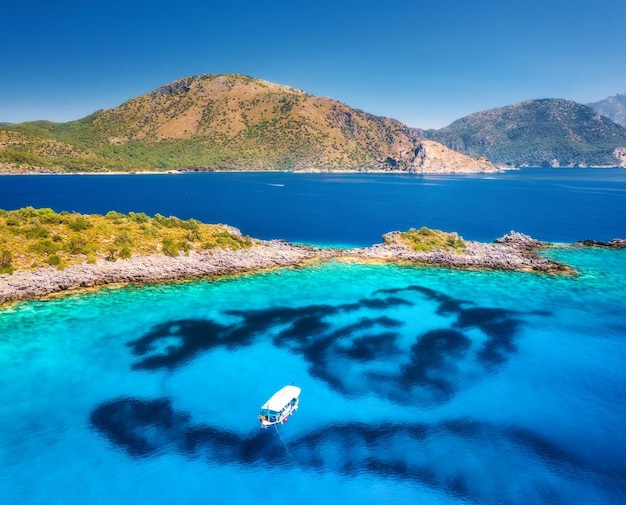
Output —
(235, 122)
(543, 132)
(613, 107)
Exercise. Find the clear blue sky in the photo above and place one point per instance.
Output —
(424, 63)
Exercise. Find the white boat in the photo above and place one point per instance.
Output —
(280, 406)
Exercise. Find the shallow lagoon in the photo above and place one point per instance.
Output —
(417, 385)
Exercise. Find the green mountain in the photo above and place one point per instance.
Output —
(214, 122)
(613, 107)
(547, 132)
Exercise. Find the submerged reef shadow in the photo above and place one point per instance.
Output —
(431, 369)
(428, 368)
(416, 452)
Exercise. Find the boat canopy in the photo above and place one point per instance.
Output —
(281, 398)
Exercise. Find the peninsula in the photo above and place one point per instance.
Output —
(49, 254)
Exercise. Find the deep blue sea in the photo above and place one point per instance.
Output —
(558, 205)
(419, 385)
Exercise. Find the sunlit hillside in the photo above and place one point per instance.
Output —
(234, 122)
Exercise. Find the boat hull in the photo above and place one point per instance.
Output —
(280, 406)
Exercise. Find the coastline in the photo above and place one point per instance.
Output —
(500, 170)
(341, 171)
(513, 252)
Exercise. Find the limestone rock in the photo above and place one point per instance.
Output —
(516, 238)
(432, 157)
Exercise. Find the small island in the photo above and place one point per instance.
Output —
(45, 253)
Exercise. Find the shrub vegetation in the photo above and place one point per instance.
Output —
(426, 239)
(34, 238)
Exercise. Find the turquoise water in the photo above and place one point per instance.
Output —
(419, 385)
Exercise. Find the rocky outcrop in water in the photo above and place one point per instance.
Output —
(518, 239)
(616, 243)
(514, 252)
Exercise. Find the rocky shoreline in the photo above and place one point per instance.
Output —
(23, 285)
(513, 252)
(616, 243)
